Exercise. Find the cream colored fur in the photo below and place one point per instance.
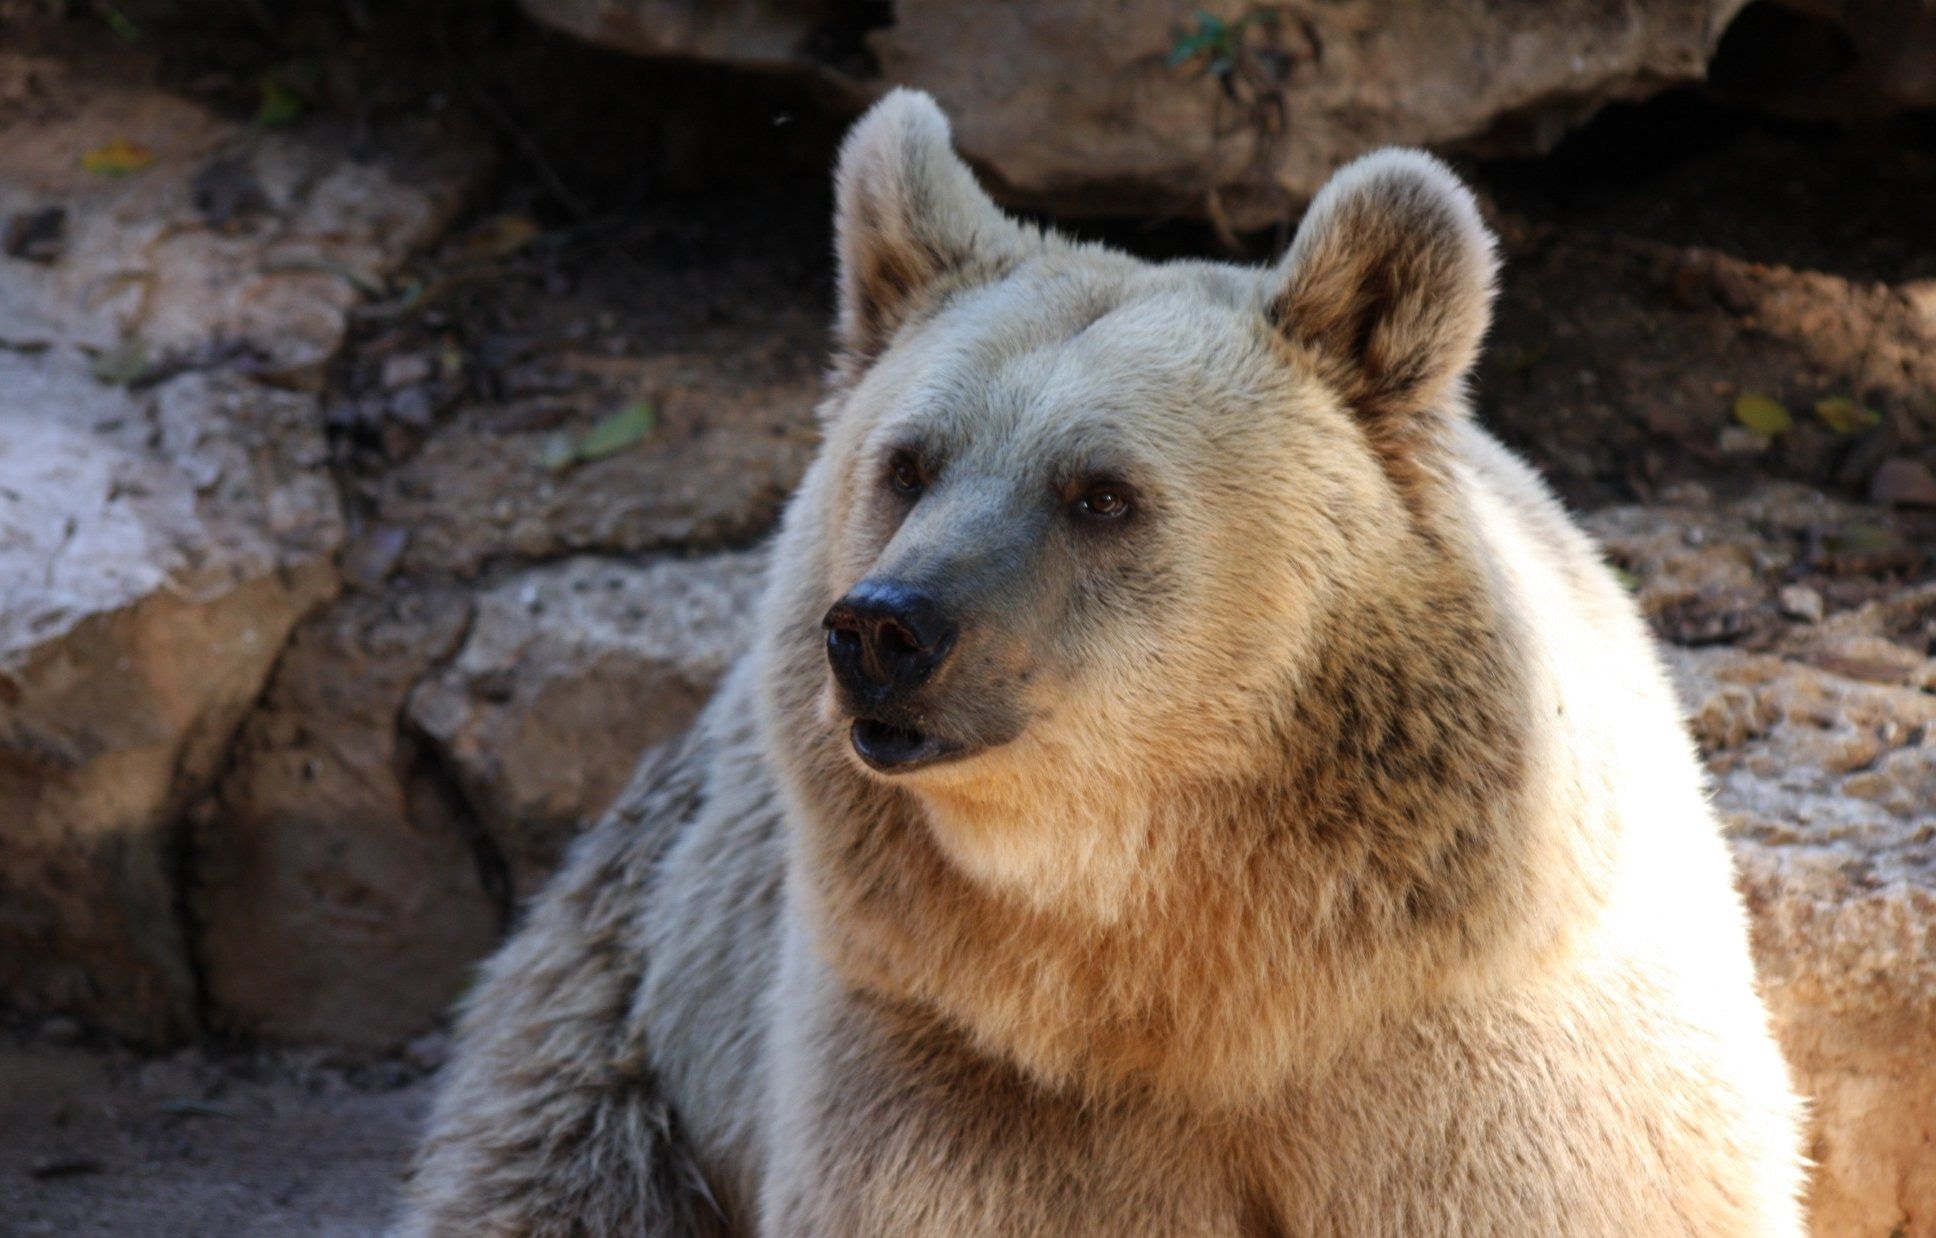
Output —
(1349, 873)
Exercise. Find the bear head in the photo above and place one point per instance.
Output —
(1122, 593)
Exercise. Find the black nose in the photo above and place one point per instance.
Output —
(885, 637)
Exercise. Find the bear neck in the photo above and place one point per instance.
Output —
(1381, 858)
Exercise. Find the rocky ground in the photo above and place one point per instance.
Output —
(378, 475)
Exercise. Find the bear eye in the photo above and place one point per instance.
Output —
(1104, 501)
(905, 474)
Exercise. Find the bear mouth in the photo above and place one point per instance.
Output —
(887, 748)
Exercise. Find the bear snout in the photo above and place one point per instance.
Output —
(886, 639)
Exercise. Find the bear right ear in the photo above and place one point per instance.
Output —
(1388, 288)
(911, 223)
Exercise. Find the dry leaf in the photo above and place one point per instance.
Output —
(118, 158)
(500, 237)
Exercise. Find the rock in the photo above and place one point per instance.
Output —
(732, 436)
(407, 369)
(1741, 441)
(1801, 602)
(157, 554)
(1144, 108)
(61, 1030)
(416, 766)
(165, 517)
(1706, 573)
(340, 885)
(1232, 111)
(428, 1051)
(1828, 788)
(568, 673)
(710, 371)
(1904, 482)
(38, 235)
(1822, 749)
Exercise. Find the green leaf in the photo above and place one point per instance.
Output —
(280, 105)
(1844, 416)
(1763, 414)
(619, 431)
(1212, 34)
(1187, 48)
(122, 25)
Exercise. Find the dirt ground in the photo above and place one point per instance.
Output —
(1649, 284)
(206, 1143)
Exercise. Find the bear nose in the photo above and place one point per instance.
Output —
(886, 637)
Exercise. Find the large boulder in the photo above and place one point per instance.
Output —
(569, 672)
(172, 284)
(1811, 689)
(337, 878)
(1149, 106)
(415, 768)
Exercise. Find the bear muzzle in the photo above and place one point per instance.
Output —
(885, 642)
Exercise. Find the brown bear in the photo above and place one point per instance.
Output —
(1190, 780)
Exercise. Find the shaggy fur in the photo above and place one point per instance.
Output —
(1329, 858)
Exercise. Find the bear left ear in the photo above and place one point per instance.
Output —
(1389, 286)
(910, 220)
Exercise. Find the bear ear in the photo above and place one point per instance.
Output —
(1389, 286)
(910, 222)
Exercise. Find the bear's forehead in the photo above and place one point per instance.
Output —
(1054, 348)
(1098, 296)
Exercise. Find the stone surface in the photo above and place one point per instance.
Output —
(415, 768)
(1821, 741)
(337, 879)
(166, 515)
(1140, 107)
(1145, 108)
(725, 454)
(568, 673)
(707, 320)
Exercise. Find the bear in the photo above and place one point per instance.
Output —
(1188, 778)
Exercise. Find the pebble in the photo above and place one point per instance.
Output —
(1801, 602)
(1741, 441)
(407, 369)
